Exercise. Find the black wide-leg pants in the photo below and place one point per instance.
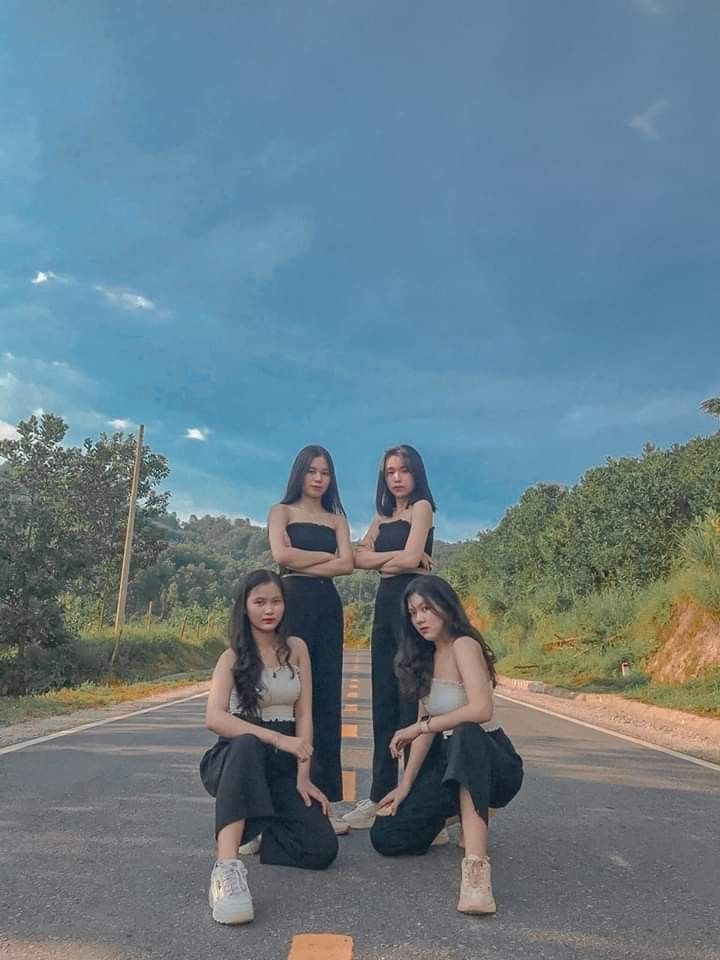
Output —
(485, 763)
(314, 613)
(390, 710)
(254, 782)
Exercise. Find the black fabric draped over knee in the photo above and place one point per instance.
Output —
(314, 613)
(486, 764)
(390, 711)
(254, 782)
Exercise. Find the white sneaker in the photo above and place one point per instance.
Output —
(250, 848)
(362, 815)
(229, 896)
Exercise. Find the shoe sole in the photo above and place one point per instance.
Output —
(473, 911)
(244, 916)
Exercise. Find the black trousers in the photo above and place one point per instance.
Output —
(314, 613)
(254, 782)
(390, 710)
(485, 763)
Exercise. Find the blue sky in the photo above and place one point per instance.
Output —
(486, 229)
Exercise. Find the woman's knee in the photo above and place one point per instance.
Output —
(245, 748)
(386, 841)
(321, 851)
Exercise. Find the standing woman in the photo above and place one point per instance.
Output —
(461, 761)
(310, 540)
(398, 544)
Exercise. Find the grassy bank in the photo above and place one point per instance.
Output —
(70, 699)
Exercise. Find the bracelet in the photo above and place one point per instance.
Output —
(275, 739)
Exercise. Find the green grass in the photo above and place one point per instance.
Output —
(70, 699)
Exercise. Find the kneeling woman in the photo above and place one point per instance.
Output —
(460, 760)
(260, 705)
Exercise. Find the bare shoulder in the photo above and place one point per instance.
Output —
(278, 511)
(469, 654)
(421, 509)
(298, 647)
(227, 658)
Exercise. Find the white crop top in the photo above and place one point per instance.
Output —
(447, 695)
(279, 693)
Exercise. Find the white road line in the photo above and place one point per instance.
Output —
(96, 723)
(611, 733)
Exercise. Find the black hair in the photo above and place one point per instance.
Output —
(331, 498)
(385, 501)
(248, 666)
(414, 660)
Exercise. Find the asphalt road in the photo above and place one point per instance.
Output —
(610, 851)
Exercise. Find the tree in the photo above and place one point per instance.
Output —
(102, 471)
(42, 546)
(711, 406)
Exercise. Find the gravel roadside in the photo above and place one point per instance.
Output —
(672, 729)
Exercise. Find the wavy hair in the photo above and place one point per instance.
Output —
(248, 666)
(331, 498)
(414, 660)
(385, 501)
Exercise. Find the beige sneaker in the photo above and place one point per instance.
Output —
(441, 839)
(476, 894)
(362, 815)
(229, 896)
(250, 848)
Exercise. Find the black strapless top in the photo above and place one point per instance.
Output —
(393, 535)
(312, 536)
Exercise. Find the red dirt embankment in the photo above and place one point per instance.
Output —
(690, 645)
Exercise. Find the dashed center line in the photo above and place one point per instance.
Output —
(321, 946)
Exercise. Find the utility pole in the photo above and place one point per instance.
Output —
(124, 573)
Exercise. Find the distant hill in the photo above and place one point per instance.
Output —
(205, 558)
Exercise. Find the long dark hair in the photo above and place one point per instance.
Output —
(331, 498)
(414, 660)
(248, 665)
(385, 501)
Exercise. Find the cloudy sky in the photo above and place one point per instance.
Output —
(489, 229)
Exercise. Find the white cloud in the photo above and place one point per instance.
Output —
(44, 276)
(125, 298)
(197, 433)
(8, 356)
(8, 431)
(119, 424)
(646, 123)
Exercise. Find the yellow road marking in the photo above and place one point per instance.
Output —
(352, 694)
(349, 730)
(349, 785)
(321, 946)
(350, 708)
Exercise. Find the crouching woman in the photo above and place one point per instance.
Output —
(460, 761)
(260, 705)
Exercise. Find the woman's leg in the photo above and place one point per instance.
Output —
(326, 659)
(474, 827)
(298, 836)
(385, 697)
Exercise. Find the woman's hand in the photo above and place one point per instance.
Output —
(402, 738)
(389, 804)
(309, 792)
(298, 747)
(426, 563)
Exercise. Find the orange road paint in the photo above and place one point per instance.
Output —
(352, 694)
(350, 708)
(349, 785)
(349, 730)
(321, 946)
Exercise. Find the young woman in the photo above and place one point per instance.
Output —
(460, 760)
(260, 705)
(399, 545)
(310, 540)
